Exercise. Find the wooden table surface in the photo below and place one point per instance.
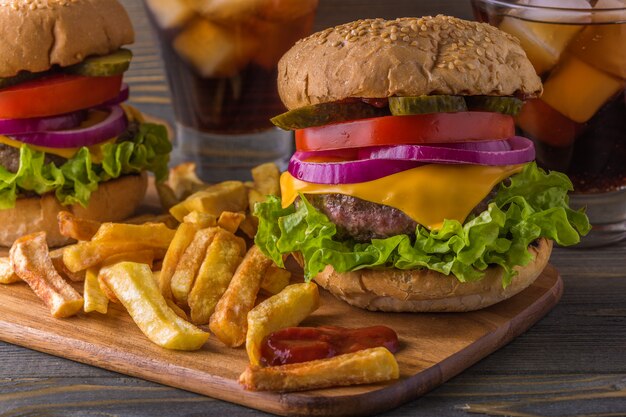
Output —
(572, 363)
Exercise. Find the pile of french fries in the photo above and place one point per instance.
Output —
(188, 273)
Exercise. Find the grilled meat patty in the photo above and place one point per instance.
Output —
(10, 158)
(363, 220)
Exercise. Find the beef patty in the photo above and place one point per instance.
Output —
(363, 220)
(10, 158)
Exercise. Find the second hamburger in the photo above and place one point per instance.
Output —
(409, 190)
(67, 141)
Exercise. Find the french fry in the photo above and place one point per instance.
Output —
(184, 181)
(134, 286)
(108, 293)
(254, 197)
(182, 239)
(189, 264)
(166, 219)
(75, 227)
(57, 260)
(31, 262)
(176, 309)
(249, 225)
(285, 309)
(152, 235)
(363, 367)
(275, 279)
(222, 259)
(200, 220)
(7, 275)
(266, 179)
(156, 276)
(167, 197)
(230, 221)
(225, 196)
(229, 321)
(114, 238)
(84, 255)
(144, 256)
(95, 298)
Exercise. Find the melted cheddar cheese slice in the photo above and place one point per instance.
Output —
(428, 194)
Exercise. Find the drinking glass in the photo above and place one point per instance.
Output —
(221, 61)
(578, 125)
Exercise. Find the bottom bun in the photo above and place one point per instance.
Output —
(429, 291)
(114, 200)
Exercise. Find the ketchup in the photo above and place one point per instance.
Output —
(301, 344)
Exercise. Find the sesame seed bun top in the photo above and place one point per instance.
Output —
(375, 58)
(37, 34)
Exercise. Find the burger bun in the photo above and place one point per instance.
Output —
(114, 200)
(423, 290)
(38, 34)
(375, 58)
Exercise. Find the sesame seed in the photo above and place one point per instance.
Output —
(393, 37)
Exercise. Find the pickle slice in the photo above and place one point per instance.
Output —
(504, 105)
(326, 113)
(20, 78)
(403, 106)
(103, 66)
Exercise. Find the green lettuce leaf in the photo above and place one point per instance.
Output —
(534, 204)
(73, 182)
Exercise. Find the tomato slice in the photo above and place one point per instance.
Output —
(57, 94)
(399, 130)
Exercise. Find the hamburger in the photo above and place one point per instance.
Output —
(67, 141)
(409, 190)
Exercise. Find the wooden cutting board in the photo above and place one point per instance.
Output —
(434, 348)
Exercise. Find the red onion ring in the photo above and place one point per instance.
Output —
(42, 124)
(379, 162)
(112, 126)
(349, 172)
(515, 150)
